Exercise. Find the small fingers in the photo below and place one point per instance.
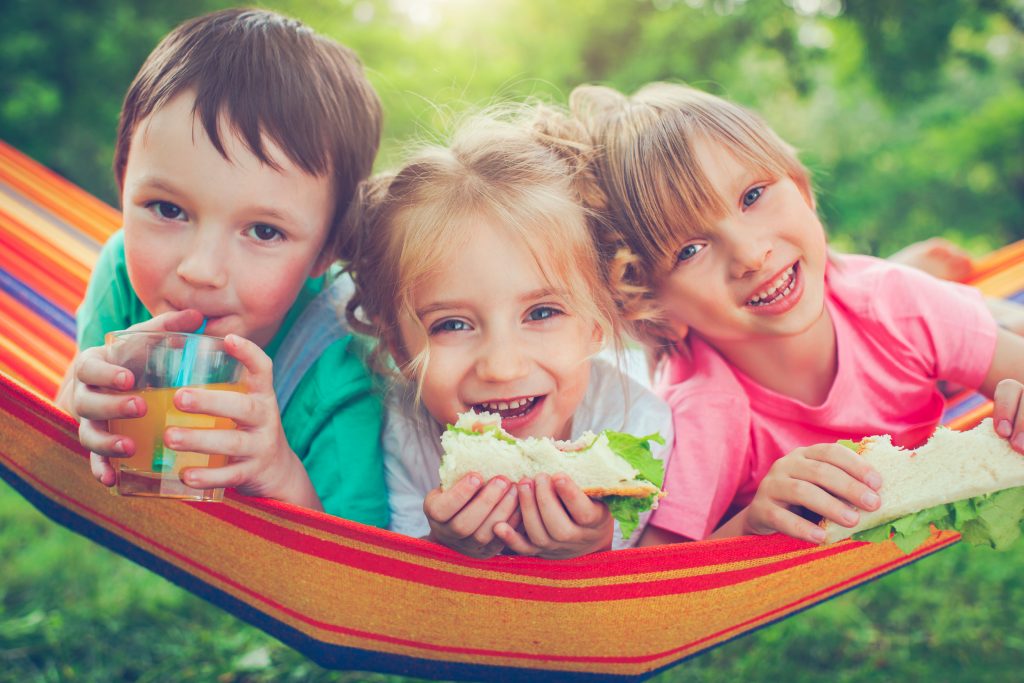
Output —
(583, 510)
(778, 518)
(94, 436)
(1008, 412)
(187, 320)
(533, 524)
(233, 475)
(102, 469)
(102, 406)
(245, 410)
(515, 541)
(441, 506)
(821, 502)
(257, 363)
(233, 442)
(467, 518)
(94, 370)
(842, 472)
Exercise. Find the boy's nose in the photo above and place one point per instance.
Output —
(502, 360)
(204, 264)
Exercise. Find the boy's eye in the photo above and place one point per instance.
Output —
(542, 313)
(752, 195)
(171, 212)
(689, 251)
(449, 325)
(265, 233)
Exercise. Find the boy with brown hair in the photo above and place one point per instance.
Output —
(240, 145)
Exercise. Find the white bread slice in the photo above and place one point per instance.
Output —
(598, 471)
(952, 466)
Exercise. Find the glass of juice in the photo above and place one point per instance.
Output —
(162, 363)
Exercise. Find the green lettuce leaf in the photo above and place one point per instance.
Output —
(493, 430)
(992, 520)
(636, 450)
(852, 445)
(626, 511)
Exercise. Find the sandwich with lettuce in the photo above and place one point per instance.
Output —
(616, 468)
(971, 482)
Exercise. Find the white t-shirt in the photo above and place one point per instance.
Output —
(412, 444)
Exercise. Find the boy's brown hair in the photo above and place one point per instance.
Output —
(267, 75)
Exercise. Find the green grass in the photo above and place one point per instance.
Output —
(73, 611)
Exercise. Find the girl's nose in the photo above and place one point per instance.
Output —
(502, 360)
(750, 256)
(204, 263)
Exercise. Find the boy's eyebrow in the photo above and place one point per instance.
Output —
(270, 212)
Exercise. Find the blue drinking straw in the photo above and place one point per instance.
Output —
(188, 359)
(163, 458)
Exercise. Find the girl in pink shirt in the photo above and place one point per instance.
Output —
(769, 347)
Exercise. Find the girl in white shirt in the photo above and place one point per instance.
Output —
(476, 270)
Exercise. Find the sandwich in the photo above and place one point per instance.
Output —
(616, 468)
(971, 482)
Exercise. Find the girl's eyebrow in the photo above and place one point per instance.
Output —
(543, 293)
(455, 304)
(439, 306)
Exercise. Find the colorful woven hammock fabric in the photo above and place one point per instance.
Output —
(354, 597)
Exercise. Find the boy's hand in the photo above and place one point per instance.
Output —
(559, 520)
(1008, 412)
(261, 463)
(463, 517)
(826, 479)
(97, 394)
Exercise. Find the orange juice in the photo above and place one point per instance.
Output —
(154, 469)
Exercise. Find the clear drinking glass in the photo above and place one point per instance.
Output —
(162, 363)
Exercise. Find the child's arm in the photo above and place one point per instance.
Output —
(261, 461)
(464, 517)
(826, 479)
(94, 391)
(1004, 383)
(559, 520)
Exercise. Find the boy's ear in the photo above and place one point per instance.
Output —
(322, 263)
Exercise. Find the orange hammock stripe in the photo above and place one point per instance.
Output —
(237, 549)
(46, 189)
(355, 597)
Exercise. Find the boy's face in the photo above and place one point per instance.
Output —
(235, 239)
(500, 339)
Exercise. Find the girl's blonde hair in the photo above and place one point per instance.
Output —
(657, 194)
(513, 168)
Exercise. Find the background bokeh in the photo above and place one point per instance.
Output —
(909, 113)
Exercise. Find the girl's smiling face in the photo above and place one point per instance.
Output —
(499, 337)
(758, 271)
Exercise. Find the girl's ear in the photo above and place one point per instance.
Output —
(680, 330)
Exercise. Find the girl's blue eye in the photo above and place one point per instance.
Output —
(689, 251)
(752, 196)
(266, 233)
(450, 325)
(542, 313)
(171, 212)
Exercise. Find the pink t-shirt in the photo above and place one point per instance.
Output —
(898, 332)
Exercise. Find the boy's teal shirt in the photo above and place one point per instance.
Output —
(332, 421)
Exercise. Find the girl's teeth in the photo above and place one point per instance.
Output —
(785, 279)
(507, 405)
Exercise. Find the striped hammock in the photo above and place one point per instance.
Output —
(354, 597)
